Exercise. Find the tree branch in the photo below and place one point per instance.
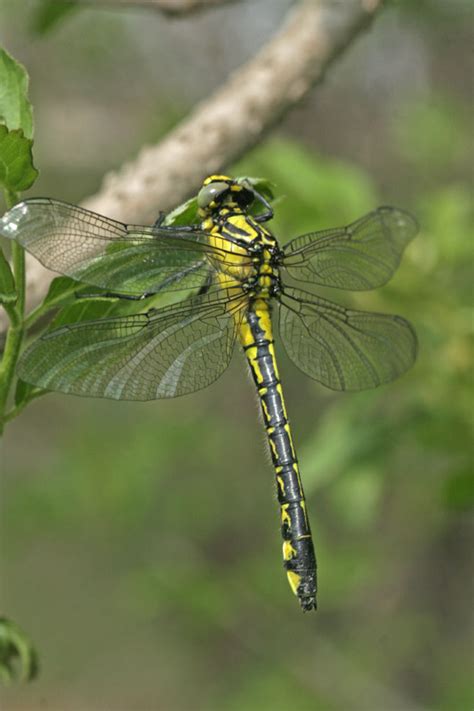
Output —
(234, 118)
(231, 121)
(167, 7)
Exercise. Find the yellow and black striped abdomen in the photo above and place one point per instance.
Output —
(298, 552)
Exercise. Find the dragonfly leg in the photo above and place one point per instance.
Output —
(207, 284)
(159, 221)
(173, 228)
(264, 216)
(161, 286)
(268, 213)
(114, 295)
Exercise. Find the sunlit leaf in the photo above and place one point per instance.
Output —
(184, 214)
(15, 109)
(17, 172)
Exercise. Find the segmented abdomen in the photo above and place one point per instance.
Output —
(298, 550)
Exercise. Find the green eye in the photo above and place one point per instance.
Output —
(210, 192)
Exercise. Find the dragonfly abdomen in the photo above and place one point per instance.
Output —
(298, 552)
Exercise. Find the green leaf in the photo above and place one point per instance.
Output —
(262, 185)
(185, 214)
(88, 310)
(64, 291)
(50, 13)
(97, 307)
(15, 109)
(61, 291)
(18, 658)
(22, 392)
(17, 171)
(8, 293)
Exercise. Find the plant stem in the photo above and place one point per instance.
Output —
(16, 315)
(18, 263)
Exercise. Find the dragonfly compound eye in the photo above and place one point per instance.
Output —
(213, 192)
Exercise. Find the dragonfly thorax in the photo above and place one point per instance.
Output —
(252, 251)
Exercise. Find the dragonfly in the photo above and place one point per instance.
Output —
(238, 280)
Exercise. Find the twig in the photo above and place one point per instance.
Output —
(167, 7)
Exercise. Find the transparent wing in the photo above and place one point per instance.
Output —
(159, 354)
(363, 255)
(96, 250)
(342, 348)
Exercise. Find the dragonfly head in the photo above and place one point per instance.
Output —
(218, 191)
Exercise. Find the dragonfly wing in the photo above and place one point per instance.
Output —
(342, 348)
(160, 354)
(363, 255)
(96, 250)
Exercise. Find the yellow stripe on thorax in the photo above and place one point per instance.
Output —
(234, 262)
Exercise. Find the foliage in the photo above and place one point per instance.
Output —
(15, 109)
(16, 173)
(18, 659)
(50, 13)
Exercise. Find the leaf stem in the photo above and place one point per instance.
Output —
(15, 411)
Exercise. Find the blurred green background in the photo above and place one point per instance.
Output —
(140, 545)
